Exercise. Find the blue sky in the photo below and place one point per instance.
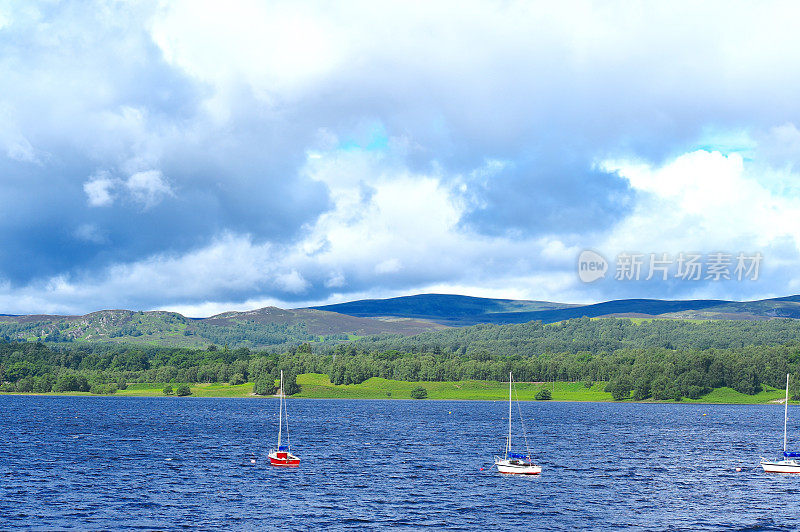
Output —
(202, 157)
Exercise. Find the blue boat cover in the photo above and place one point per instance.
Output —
(283, 448)
(791, 454)
(517, 455)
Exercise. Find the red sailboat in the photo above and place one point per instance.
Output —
(282, 456)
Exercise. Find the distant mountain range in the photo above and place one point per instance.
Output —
(406, 315)
(459, 311)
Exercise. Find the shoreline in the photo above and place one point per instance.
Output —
(318, 386)
(300, 398)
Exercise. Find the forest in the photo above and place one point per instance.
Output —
(659, 359)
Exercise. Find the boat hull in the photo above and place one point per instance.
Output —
(521, 468)
(283, 459)
(781, 466)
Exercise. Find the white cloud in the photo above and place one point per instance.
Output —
(291, 282)
(148, 188)
(335, 280)
(99, 190)
(388, 266)
(278, 48)
(16, 146)
(701, 201)
(21, 150)
(90, 233)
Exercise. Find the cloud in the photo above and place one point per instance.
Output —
(148, 187)
(291, 282)
(99, 190)
(388, 266)
(705, 199)
(12, 141)
(298, 153)
(90, 233)
(335, 280)
(705, 202)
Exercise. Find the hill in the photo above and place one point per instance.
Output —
(401, 316)
(454, 310)
(263, 327)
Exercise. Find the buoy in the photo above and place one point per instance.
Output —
(481, 469)
(704, 414)
(449, 412)
(252, 460)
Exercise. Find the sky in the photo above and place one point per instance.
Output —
(206, 156)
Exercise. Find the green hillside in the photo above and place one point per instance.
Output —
(258, 328)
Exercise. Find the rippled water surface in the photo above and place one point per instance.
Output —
(115, 462)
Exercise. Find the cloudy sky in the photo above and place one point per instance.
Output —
(210, 156)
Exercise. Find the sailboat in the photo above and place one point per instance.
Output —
(789, 464)
(282, 456)
(511, 462)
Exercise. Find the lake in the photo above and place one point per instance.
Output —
(165, 463)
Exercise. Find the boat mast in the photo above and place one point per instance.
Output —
(508, 442)
(785, 412)
(280, 412)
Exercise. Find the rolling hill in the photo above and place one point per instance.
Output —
(405, 316)
(263, 327)
(459, 311)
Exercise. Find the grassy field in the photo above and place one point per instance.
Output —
(315, 385)
(198, 390)
(731, 396)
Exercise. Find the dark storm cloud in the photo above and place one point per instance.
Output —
(97, 97)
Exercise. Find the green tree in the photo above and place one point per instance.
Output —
(43, 384)
(167, 390)
(419, 393)
(25, 385)
(290, 386)
(71, 383)
(265, 385)
(543, 395)
(183, 390)
(620, 388)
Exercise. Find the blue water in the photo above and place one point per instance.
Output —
(165, 463)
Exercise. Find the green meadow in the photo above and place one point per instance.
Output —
(315, 385)
(318, 386)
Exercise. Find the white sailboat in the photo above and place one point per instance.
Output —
(789, 464)
(282, 456)
(511, 462)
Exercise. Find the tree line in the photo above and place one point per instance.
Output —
(642, 361)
